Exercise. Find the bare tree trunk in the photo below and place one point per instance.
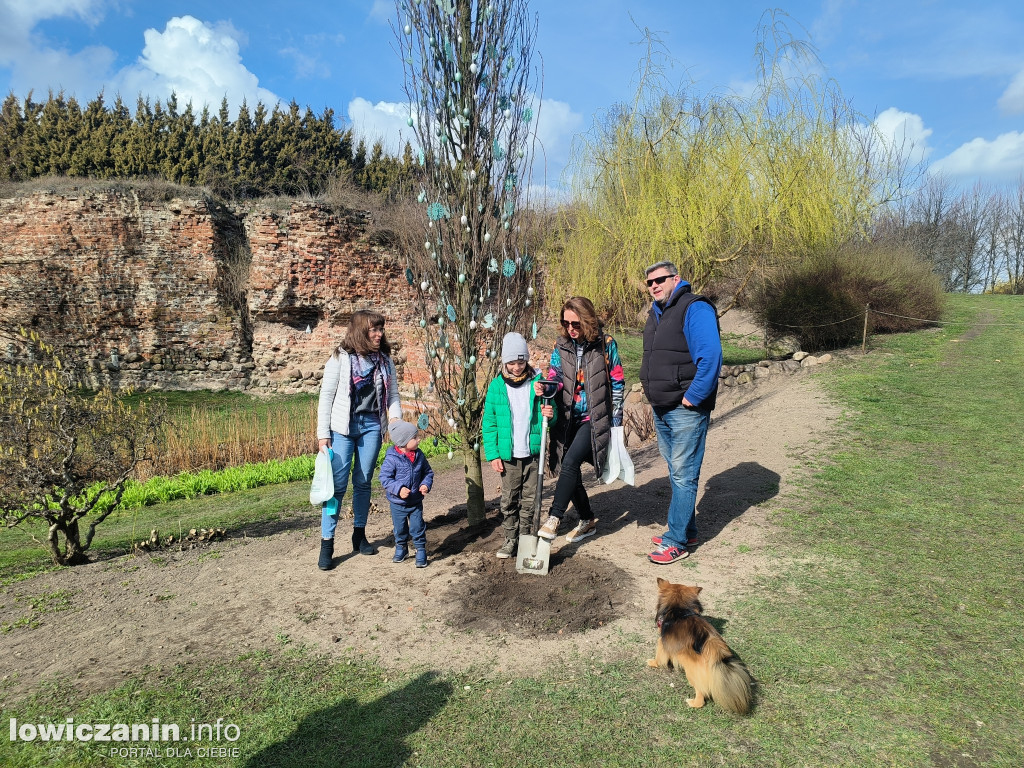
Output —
(73, 553)
(476, 506)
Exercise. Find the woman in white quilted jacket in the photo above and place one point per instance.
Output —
(358, 399)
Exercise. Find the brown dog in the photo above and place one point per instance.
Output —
(689, 641)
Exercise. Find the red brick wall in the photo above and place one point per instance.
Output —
(103, 270)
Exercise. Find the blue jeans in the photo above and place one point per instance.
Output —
(681, 436)
(406, 521)
(355, 456)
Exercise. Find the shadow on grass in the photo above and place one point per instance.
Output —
(353, 734)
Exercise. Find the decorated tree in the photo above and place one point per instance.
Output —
(473, 105)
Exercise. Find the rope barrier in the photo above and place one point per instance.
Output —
(943, 322)
(823, 325)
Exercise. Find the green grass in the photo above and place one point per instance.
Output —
(20, 556)
(888, 635)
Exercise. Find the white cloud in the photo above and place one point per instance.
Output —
(306, 66)
(999, 160)
(23, 15)
(386, 121)
(556, 123)
(199, 61)
(382, 10)
(37, 65)
(905, 133)
(1012, 100)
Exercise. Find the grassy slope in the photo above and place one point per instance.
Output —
(894, 639)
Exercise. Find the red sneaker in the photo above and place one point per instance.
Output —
(664, 555)
(690, 543)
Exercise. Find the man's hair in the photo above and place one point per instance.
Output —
(357, 338)
(668, 266)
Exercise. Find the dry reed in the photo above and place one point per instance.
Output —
(198, 438)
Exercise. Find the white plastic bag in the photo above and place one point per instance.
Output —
(627, 474)
(619, 463)
(322, 488)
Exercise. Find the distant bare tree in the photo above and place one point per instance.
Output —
(1014, 262)
(65, 454)
(994, 242)
(969, 215)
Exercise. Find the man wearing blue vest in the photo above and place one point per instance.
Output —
(679, 373)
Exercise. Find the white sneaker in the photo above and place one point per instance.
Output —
(550, 528)
(583, 529)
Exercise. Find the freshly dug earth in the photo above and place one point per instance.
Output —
(578, 594)
(466, 610)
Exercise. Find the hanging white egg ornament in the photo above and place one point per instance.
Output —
(472, 359)
(464, 220)
(450, 454)
(473, 68)
(472, 325)
(424, 285)
(408, 29)
(487, 237)
(529, 291)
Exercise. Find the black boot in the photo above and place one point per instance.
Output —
(326, 555)
(360, 543)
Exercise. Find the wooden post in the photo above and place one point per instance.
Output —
(864, 339)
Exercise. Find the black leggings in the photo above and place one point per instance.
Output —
(570, 479)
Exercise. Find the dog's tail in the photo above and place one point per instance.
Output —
(731, 685)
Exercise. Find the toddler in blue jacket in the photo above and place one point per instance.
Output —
(407, 477)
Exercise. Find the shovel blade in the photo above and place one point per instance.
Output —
(534, 555)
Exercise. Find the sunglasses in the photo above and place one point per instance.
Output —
(658, 280)
(575, 325)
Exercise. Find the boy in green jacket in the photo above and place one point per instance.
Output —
(511, 438)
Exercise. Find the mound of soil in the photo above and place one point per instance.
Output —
(579, 593)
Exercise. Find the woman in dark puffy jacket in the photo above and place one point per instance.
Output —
(585, 363)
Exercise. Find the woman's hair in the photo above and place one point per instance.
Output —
(590, 326)
(357, 337)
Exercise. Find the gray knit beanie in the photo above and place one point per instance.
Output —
(513, 347)
(401, 432)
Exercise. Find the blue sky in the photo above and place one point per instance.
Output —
(946, 74)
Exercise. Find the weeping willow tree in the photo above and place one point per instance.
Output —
(473, 107)
(719, 184)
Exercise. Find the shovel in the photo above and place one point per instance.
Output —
(534, 553)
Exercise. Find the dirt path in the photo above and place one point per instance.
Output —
(467, 611)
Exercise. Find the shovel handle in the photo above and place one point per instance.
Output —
(542, 463)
